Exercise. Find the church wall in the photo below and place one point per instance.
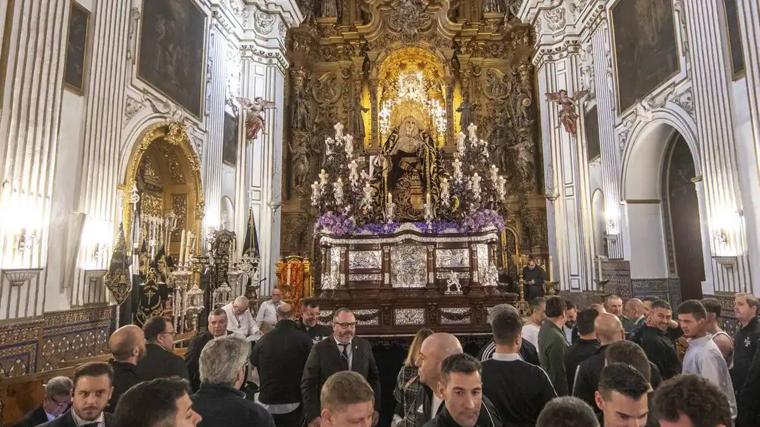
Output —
(716, 115)
(67, 151)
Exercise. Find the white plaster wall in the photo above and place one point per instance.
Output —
(646, 239)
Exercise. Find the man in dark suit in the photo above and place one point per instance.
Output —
(217, 327)
(93, 385)
(280, 356)
(159, 403)
(56, 402)
(309, 322)
(127, 344)
(160, 360)
(341, 352)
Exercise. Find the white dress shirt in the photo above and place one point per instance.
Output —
(240, 324)
(267, 313)
(530, 333)
(101, 420)
(703, 358)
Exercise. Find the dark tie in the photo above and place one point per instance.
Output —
(344, 353)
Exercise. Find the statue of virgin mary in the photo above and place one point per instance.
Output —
(409, 163)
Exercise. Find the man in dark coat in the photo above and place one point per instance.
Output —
(341, 352)
(309, 321)
(160, 360)
(92, 389)
(219, 400)
(158, 403)
(127, 344)
(534, 277)
(217, 327)
(280, 356)
(56, 402)
(745, 372)
(653, 338)
(586, 346)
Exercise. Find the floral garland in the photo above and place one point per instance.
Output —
(343, 225)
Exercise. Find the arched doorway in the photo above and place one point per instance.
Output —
(662, 207)
(599, 223)
(684, 240)
(162, 211)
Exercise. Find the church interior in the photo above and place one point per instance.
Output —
(416, 161)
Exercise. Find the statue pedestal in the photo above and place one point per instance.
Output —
(400, 282)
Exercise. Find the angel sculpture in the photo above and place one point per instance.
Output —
(567, 113)
(254, 121)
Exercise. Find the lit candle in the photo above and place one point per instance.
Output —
(390, 198)
(427, 199)
(182, 248)
(287, 276)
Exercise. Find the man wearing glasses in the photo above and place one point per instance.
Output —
(56, 402)
(341, 352)
(160, 360)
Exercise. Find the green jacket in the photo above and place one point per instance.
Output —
(552, 347)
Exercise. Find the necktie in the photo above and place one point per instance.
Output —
(344, 353)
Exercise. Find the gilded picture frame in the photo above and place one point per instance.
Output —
(645, 48)
(77, 49)
(172, 51)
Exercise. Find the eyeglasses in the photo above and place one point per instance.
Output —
(346, 324)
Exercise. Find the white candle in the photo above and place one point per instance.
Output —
(427, 198)
(181, 248)
(287, 275)
(390, 198)
(599, 263)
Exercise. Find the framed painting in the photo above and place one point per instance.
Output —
(730, 8)
(75, 66)
(230, 137)
(172, 42)
(646, 50)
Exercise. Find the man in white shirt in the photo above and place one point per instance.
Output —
(240, 320)
(533, 324)
(703, 357)
(268, 311)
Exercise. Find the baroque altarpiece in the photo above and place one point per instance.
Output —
(406, 79)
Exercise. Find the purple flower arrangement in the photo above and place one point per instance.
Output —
(335, 224)
(482, 219)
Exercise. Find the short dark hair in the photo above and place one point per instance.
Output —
(567, 411)
(693, 307)
(154, 327)
(506, 326)
(649, 299)
(151, 403)
(309, 302)
(341, 310)
(92, 369)
(630, 353)
(219, 312)
(345, 388)
(624, 379)
(659, 303)
(461, 363)
(712, 305)
(555, 306)
(693, 396)
(569, 305)
(536, 302)
(586, 320)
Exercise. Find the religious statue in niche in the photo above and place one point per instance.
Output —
(466, 109)
(329, 9)
(567, 113)
(359, 130)
(300, 117)
(254, 121)
(409, 157)
(299, 152)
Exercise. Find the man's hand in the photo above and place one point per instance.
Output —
(315, 422)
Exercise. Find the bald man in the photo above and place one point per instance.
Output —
(608, 329)
(633, 312)
(434, 349)
(240, 320)
(127, 345)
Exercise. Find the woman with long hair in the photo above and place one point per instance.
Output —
(408, 382)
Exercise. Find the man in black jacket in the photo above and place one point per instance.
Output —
(528, 351)
(127, 344)
(745, 373)
(341, 352)
(462, 389)
(160, 360)
(309, 321)
(163, 402)
(517, 389)
(56, 402)
(217, 327)
(585, 347)
(653, 338)
(608, 330)
(280, 356)
(219, 399)
(92, 389)
(433, 351)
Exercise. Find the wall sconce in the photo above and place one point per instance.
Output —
(97, 239)
(21, 222)
(725, 224)
(612, 215)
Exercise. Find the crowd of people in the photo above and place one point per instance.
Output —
(614, 364)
